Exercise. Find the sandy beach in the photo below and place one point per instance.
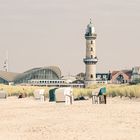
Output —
(28, 119)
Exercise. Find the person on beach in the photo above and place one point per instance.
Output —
(22, 95)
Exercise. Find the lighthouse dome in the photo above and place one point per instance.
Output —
(90, 29)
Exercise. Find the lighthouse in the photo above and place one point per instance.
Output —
(91, 59)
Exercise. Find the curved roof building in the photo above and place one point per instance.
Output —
(42, 73)
(6, 77)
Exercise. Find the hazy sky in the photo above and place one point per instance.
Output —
(51, 32)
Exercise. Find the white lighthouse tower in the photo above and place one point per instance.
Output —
(91, 59)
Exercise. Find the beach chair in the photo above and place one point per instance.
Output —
(52, 94)
(95, 97)
(3, 94)
(59, 95)
(102, 95)
(64, 95)
(99, 96)
(68, 92)
(39, 94)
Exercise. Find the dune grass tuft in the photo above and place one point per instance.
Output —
(112, 90)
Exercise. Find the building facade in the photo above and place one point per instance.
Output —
(135, 74)
(35, 75)
(103, 77)
(91, 59)
(43, 76)
(121, 77)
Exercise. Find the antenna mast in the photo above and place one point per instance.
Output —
(6, 65)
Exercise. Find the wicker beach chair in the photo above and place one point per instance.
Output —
(3, 94)
(98, 96)
(95, 97)
(39, 94)
(64, 95)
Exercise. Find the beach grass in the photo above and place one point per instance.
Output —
(124, 90)
(16, 90)
(112, 90)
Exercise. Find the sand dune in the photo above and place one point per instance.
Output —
(27, 119)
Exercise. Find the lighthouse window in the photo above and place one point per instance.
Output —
(91, 76)
(91, 49)
(91, 42)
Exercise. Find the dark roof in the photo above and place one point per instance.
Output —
(102, 73)
(78, 82)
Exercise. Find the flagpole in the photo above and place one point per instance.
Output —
(7, 57)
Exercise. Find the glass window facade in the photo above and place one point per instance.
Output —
(43, 74)
(2, 81)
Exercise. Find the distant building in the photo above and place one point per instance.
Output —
(69, 78)
(51, 76)
(100, 77)
(44, 76)
(135, 73)
(121, 77)
(103, 77)
(80, 76)
(32, 76)
(7, 77)
(39, 75)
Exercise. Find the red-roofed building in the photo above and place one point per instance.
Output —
(121, 77)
